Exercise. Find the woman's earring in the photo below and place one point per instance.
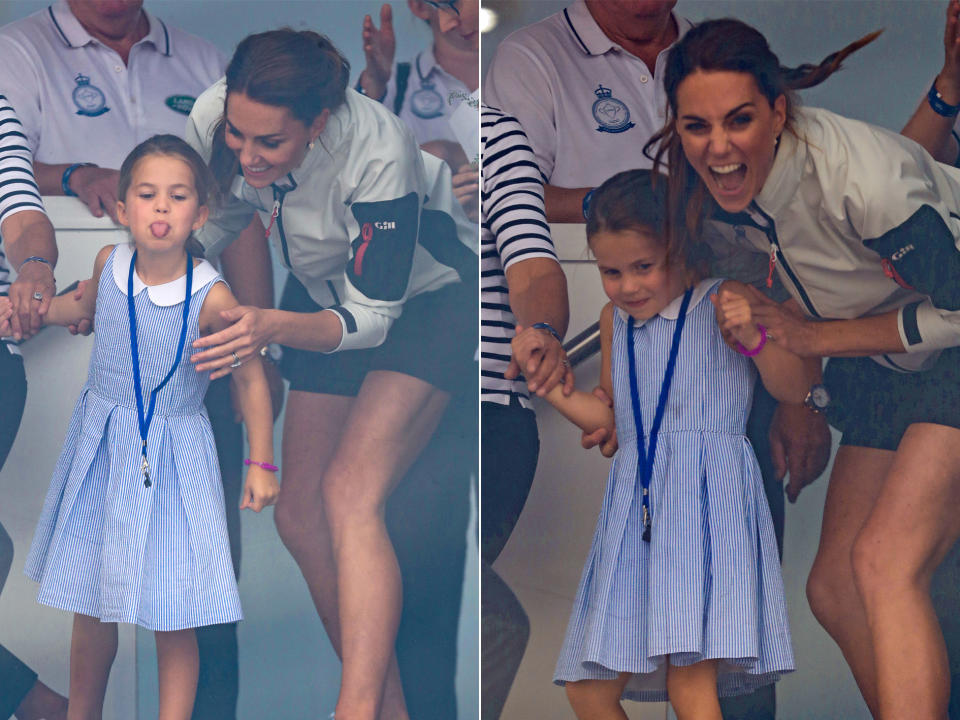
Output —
(311, 144)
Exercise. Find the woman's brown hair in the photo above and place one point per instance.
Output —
(300, 70)
(724, 45)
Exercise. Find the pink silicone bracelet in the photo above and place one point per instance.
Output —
(763, 341)
(264, 465)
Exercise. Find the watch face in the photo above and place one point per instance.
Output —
(819, 396)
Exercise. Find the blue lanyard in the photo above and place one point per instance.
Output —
(144, 420)
(645, 459)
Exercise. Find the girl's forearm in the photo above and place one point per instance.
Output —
(66, 311)
(584, 410)
(786, 376)
(253, 392)
(318, 332)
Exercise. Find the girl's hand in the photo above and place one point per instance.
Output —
(735, 317)
(608, 445)
(249, 332)
(260, 490)
(379, 47)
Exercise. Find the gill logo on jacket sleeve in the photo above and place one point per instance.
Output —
(383, 251)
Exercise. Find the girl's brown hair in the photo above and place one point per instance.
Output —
(298, 70)
(724, 45)
(171, 146)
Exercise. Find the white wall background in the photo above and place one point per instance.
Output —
(881, 83)
(287, 668)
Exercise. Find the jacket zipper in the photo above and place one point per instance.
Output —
(776, 254)
(278, 198)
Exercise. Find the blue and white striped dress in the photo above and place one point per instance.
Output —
(105, 545)
(708, 584)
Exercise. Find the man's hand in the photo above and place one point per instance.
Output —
(379, 48)
(97, 188)
(466, 188)
(799, 444)
(542, 360)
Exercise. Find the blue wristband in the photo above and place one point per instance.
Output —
(938, 104)
(586, 203)
(65, 180)
(35, 258)
(549, 328)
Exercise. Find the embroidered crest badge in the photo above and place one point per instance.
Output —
(89, 99)
(611, 114)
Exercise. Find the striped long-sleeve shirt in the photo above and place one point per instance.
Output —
(513, 229)
(18, 189)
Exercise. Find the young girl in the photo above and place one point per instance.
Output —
(681, 597)
(133, 528)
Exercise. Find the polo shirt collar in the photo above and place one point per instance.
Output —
(591, 39)
(72, 33)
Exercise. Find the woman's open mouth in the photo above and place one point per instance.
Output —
(729, 177)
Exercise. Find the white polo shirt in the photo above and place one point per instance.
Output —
(76, 99)
(430, 97)
(587, 105)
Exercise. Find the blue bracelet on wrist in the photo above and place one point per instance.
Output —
(586, 203)
(65, 179)
(938, 104)
(35, 258)
(549, 328)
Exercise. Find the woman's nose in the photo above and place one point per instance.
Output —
(719, 141)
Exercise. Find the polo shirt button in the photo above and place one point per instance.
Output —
(643, 78)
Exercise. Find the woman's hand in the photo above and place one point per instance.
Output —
(466, 188)
(249, 332)
(379, 47)
(28, 312)
(786, 324)
(260, 490)
(542, 360)
(608, 445)
(799, 444)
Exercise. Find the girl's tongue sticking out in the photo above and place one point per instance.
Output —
(159, 229)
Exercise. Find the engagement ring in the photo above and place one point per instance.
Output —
(236, 360)
(38, 296)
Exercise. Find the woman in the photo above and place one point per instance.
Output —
(862, 226)
(341, 186)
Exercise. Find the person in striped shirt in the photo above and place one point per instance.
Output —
(521, 282)
(28, 243)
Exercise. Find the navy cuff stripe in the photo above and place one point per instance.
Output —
(910, 327)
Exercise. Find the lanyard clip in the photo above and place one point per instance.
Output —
(145, 467)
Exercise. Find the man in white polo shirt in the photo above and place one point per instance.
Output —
(586, 84)
(90, 79)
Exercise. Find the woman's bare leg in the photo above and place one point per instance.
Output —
(913, 525)
(178, 666)
(312, 430)
(93, 647)
(855, 483)
(391, 420)
(597, 699)
(692, 690)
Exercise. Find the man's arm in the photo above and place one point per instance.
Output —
(564, 205)
(95, 186)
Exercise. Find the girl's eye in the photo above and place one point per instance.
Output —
(145, 195)
(180, 197)
(609, 272)
(645, 266)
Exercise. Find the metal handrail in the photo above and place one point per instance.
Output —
(583, 346)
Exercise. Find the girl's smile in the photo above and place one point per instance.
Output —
(729, 133)
(635, 273)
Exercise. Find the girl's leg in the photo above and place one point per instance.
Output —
(390, 422)
(92, 649)
(831, 591)
(312, 430)
(597, 699)
(692, 690)
(911, 528)
(178, 666)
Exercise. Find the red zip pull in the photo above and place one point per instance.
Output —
(273, 218)
(891, 272)
(773, 263)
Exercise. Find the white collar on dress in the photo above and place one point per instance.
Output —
(166, 294)
(672, 310)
